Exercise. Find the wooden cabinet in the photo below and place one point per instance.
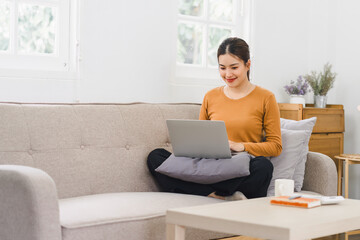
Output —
(328, 132)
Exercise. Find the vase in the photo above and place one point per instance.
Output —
(320, 101)
(300, 99)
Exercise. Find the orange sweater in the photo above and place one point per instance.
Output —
(246, 119)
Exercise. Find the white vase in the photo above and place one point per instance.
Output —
(299, 99)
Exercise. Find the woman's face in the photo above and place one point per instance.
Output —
(233, 70)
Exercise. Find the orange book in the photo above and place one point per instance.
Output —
(297, 202)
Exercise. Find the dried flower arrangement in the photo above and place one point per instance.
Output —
(300, 87)
(321, 82)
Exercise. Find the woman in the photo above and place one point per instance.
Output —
(252, 120)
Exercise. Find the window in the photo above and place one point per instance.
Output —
(202, 26)
(34, 34)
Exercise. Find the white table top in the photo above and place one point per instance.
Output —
(258, 218)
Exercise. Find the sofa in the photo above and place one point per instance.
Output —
(78, 172)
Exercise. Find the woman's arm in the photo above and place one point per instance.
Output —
(271, 125)
(203, 111)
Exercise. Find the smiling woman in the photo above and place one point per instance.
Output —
(248, 111)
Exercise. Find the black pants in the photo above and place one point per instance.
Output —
(252, 186)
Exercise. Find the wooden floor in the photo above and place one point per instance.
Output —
(332, 237)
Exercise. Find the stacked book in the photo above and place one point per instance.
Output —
(303, 202)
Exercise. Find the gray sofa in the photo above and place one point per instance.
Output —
(78, 171)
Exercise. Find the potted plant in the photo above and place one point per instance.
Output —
(297, 90)
(321, 83)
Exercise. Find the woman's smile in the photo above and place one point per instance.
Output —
(230, 80)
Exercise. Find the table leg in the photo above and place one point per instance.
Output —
(340, 174)
(346, 178)
(175, 232)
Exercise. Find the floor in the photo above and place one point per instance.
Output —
(332, 237)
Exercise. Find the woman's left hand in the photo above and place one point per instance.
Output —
(237, 147)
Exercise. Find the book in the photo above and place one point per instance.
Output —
(302, 202)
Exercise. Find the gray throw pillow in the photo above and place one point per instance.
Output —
(293, 144)
(308, 125)
(204, 170)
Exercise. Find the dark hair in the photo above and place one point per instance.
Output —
(237, 47)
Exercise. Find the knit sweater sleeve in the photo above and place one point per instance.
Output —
(271, 125)
(203, 111)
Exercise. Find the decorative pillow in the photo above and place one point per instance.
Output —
(204, 170)
(293, 142)
(306, 124)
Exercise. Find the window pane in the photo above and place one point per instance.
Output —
(221, 10)
(191, 7)
(36, 29)
(4, 25)
(216, 36)
(189, 43)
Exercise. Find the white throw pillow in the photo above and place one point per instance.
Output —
(308, 125)
(293, 144)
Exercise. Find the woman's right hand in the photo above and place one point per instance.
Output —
(236, 147)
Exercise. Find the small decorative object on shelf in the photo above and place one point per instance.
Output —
(297, 90)
(321, 83)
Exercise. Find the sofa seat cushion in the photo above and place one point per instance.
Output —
(107, 208)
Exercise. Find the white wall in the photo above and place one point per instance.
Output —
(25, 89)
(280, 43)
(347, 62)
(126, 50)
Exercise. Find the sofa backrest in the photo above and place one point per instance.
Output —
(88, 148)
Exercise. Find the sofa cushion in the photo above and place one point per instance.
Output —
(206, 170)
(293, 144)
(122, 207)
(146, 229)
(308, 125)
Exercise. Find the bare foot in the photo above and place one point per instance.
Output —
(213, 195)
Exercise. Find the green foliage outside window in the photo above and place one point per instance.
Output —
(36, 29)
(4, 25)
(190, 41)
(191, 7)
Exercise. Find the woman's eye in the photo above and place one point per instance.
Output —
(234, 68)
(222, 68)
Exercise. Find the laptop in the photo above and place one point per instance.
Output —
(198, 138)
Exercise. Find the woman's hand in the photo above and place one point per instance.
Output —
(237, 147)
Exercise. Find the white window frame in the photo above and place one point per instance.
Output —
(59, 65)
(186, 73)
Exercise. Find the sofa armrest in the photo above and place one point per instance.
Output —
(29, 207)
(320, 174)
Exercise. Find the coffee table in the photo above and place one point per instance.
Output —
(258, 218)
